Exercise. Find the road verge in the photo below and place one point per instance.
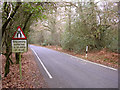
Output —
(31, 75)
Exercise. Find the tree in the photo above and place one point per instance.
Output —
(91, 26)
(14, 14)
(75, 25)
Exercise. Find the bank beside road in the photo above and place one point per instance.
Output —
(31, 75)
(103, 56)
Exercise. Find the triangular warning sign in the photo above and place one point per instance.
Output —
(19, 34)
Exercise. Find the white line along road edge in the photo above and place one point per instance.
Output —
(42, 64)
(91, 62)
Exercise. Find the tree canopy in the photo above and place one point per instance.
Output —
(71, 25)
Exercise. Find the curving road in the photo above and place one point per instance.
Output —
(64, 71)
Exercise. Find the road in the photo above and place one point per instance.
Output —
(64, 71)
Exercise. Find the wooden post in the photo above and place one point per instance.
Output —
(20, 66)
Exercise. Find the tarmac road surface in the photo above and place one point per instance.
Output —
(64, 71)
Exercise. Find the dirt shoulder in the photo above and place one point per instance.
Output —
(104, 56)
(31, 75)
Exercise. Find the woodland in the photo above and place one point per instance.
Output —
(71, 25)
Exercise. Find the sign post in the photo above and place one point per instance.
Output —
(19, 45)
(20, 66)
(86, 51)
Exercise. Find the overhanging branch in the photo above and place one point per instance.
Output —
(8, 20)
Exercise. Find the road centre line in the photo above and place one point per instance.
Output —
(91, 62)
(50, 76)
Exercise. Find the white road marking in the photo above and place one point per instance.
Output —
(91, 62)
(50, 76)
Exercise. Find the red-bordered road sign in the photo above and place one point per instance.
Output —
(19, 34)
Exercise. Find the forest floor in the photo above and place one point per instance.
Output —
(102, 57)
(31, 75)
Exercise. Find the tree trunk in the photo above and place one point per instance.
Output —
(17, 58)
(9, 19)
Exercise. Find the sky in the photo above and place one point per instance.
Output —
(58, 0)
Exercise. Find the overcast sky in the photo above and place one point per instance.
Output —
(59, 0)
